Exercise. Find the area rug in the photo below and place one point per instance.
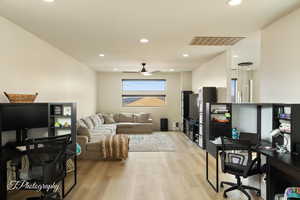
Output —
(157, 142)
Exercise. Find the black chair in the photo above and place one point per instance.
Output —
(236, 164)
(47, 163)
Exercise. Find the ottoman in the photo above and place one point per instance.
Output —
(108, 147)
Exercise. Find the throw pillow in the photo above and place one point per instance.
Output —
(89, 123)
(100, 115)
(142, 118)
(96, 120)
(81, 123)
(109, 119)
(117, 117)
(126, 117)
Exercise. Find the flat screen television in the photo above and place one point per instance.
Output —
(194, 109)
(30, 116)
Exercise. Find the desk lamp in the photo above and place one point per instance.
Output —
(280, 148)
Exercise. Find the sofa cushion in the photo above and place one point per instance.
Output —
(109, 118)
(126, 124)
(89, 123)
(101, 131)
(117, 117)
(131, 124)
(81, 123)
(142, 118)
(131, 128)
(95, 146)
(107, 128)
(100, 115)
(96, 120)
(126, 117)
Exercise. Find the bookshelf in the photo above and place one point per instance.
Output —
(62, 121)
(219, 116)
(286, 118)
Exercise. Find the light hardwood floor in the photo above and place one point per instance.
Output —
(176, 175)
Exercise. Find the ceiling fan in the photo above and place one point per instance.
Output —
(143, 71)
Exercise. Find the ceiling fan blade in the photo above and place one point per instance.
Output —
(157, 71)
(130, 72)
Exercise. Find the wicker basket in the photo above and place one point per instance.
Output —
(21, 98)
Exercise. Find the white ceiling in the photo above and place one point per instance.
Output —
(85, 28)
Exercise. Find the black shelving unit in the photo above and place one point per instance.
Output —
(193, 130)
(290, 114)
(23, 116)
(67, 120)
(218, 127)
(206, 95)
(185, 106)
(283, 170)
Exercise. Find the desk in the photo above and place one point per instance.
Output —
(18, 118)
(283, 170)
(66, 186)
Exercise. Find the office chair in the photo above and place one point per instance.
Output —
(234, 164)
(47, 163)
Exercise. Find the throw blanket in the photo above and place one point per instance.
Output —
(114, 147)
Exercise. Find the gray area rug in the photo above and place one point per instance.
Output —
(156, 142)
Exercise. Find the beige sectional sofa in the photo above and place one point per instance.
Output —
(94, 133)
(119, 123)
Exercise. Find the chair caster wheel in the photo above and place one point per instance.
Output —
(258, 194)
(221, 185)
(225, 195)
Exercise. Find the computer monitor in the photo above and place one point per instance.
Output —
(16, 117)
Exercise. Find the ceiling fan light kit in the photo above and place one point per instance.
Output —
(143, 69)
(234, 2)
(147, 73)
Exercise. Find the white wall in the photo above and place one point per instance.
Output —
(29, 65)
(186, 81)
(247, 50)
(280, 68)
(212, 74)
(110, 92)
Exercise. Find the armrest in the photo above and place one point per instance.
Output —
(82, 141)
(250, 166)
(82, 131)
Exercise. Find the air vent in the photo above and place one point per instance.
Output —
(215, 41)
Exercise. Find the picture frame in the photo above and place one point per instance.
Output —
(67, 111)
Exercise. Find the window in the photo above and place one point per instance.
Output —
(233, 90)
(143, 92)
(144, 85)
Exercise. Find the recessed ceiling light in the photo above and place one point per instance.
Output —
(185, 55)
(172, 70)
(235, 56)
(234, 2)
(116, 69)
(144, 40)
(101, 55)
(50, 1)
